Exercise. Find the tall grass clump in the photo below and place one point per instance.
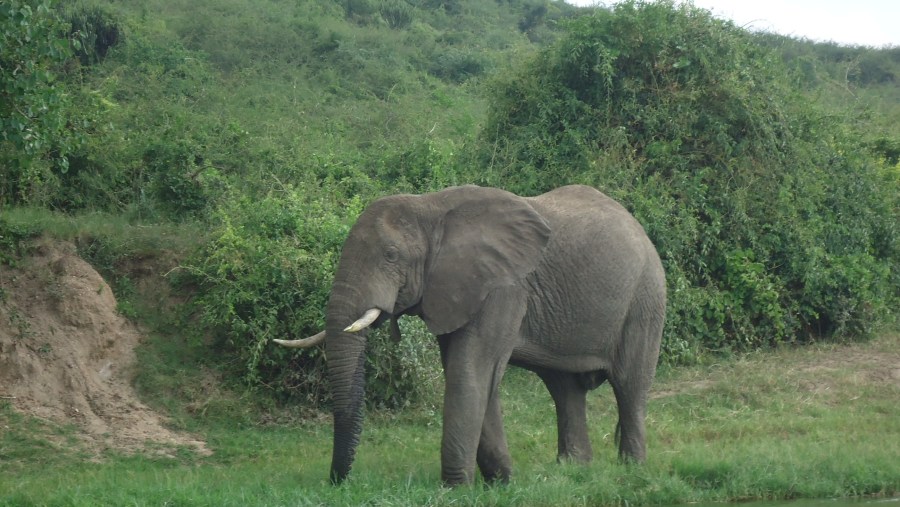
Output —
(773, 222)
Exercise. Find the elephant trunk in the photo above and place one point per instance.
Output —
(348, 317)
(346, 363)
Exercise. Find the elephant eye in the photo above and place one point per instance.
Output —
(392, 254)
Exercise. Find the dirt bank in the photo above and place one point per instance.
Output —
(66, 354)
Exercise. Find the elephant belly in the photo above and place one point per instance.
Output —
(534, 355)
(599, 269)
(575, 318)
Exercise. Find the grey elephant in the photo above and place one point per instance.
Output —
(565, 284)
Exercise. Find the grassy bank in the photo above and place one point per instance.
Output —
(815, 422)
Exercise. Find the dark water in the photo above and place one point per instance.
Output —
(832, 502)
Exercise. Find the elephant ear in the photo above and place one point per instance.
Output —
(489, 238)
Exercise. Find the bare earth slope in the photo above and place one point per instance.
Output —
(66, 354)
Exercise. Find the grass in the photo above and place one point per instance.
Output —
(123, 235)
(816, 422)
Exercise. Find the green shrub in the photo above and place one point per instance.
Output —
(176, 172)
(95, 30)
(359, 10)
(39, 126)
(14, 241)
(458, 65)
(772, 221)
(267, 274)
(396, 13)
(426, 166)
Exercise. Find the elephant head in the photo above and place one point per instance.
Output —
(437, 256)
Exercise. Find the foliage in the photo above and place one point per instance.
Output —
(264, 275)
(396, 13)
(267, 273)
(14, 241)
(822, 61)
(425, 166)
(38, 127)
(773, 216)
(96, 31)
(771, 225)
(457, 65)
(193, 120)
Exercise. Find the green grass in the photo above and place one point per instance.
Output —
(797, 423)
(123, 235)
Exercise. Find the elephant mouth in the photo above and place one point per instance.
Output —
(384, 317)
(372, 318)
(368, 319)
(398, 312)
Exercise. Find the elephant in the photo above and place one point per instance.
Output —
(565, 284)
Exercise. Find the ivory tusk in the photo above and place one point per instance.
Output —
(305, 343)
(365, 321)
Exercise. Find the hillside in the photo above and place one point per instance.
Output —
(172, 105)
(177, 179)
(763, 167)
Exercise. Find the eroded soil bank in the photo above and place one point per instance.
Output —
(66, 354)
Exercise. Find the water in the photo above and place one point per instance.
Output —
(827, 502)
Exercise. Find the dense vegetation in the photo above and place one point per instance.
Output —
(764, 168)
(773, 222)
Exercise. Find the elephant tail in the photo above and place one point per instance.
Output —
(618, 434)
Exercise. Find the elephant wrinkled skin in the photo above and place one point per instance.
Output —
(565, 284)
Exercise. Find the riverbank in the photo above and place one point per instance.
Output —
(814, 422)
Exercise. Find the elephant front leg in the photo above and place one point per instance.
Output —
(474, 360)
(472, 429)
(493, 453)
(465, 403)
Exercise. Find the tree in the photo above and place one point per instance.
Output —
(35, 129)
(774, 224)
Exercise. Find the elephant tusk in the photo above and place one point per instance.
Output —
(365, 321)
(305, 343)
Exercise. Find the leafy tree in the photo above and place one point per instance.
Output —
(773, 224)
(95, 30)
(36, 133)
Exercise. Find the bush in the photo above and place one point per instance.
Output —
(267, 274)
(36, 111)
(177, 173)
(772, 222)
(396, 13)
(95, 30)
(458, 65)
(426, 166)
(14, 242)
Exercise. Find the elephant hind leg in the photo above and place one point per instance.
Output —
(569, 392)
(631, 380)
(630, 433)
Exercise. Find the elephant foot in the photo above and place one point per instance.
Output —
(455, 480)
(578, 455)
(496, 476)
(632, 454)
(499, 478)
